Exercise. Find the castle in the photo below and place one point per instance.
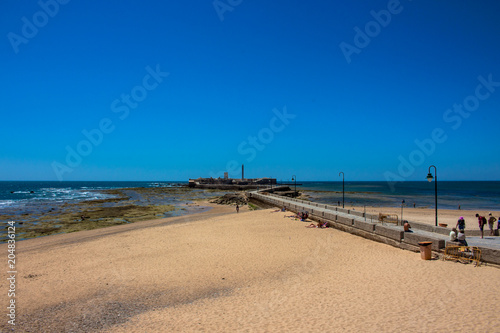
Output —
(228, 183)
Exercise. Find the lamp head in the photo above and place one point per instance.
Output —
(429, 177)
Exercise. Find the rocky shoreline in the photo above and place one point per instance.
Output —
(125, 205)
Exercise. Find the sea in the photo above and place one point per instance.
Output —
(27, 197)
(34, 197)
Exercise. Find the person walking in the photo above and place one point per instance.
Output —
(237, 208)
(460, 223)
(481, 220)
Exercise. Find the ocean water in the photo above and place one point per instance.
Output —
(28, 202)
(480, 195)
(26, 197)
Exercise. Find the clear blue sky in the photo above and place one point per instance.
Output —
(285, 87)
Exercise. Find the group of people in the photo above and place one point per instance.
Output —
(303, 217)
(300, 215)
(481, 220)
(459, 236)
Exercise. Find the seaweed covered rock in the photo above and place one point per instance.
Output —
(232, 199)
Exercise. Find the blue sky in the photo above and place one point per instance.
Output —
(154, 90)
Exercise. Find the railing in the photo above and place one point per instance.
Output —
(388, 218)
(462, 253)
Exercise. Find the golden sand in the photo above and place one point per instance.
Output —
(256, 271)
(428, 215)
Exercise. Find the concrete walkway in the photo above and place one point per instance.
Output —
(491, 242)
(420, 230)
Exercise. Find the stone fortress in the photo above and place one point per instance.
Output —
(232, 183)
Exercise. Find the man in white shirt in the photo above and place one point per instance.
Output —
(453, 235)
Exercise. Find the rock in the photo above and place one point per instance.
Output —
(232, 199)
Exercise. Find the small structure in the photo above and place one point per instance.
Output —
(215, 182)
(232, 183)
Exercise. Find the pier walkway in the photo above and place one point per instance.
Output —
(368, 226)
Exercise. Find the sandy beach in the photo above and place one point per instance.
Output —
(256, 271)
(427, 215)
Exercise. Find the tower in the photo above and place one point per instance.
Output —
(242, 171)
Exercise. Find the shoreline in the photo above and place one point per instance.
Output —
(62, 239)
(190, 204)
(128, 205)
(133, 204)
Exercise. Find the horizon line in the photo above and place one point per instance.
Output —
(333, 181)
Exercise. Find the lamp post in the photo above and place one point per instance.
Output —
(294, 178)
(402, 205)
(429, 178)
(343, 196)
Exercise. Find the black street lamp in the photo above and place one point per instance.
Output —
(402, 205)
(429, 178)
(343, 196)
(295, 178)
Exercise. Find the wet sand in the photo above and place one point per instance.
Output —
(127, 205)
(256, 271)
